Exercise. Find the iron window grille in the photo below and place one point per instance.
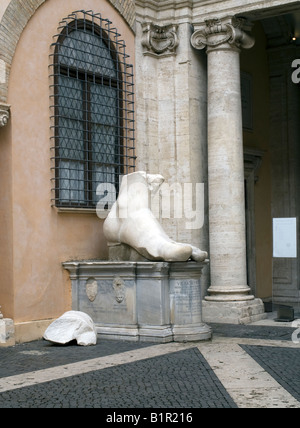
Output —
(92, 111)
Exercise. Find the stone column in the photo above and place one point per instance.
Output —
(223, 39)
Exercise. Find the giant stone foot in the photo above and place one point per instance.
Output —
(131, 222)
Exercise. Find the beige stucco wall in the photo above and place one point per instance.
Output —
(255, 62)
(36, 238)
(6, 251)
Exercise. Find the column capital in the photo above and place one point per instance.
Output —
(221, 34)
(4, 114)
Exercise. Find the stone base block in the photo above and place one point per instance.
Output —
(140, 301)
(159, 334)
(117, 332)
(7, 332)
(233, 312)
(156, 334)
(192, 333)
(120, 252)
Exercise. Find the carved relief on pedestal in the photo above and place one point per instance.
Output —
(119, 289)
(217, 32)
(91, 288)
(4, 114)
(158, 40)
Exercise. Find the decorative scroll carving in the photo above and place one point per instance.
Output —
(158, 40)
(4, 114)
(216, 33)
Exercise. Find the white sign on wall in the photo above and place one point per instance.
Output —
(285, 237)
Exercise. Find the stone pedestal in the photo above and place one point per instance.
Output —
(7, 332)
(185, 302)
(153, 307)
(140, 301)
(223, 39)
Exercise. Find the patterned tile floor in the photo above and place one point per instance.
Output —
(254, 366)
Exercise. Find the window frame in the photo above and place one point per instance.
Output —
(123, 163)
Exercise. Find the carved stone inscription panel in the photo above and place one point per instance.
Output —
(186, 301)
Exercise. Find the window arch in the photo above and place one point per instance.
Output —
(93, 111)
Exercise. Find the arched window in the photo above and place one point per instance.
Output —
(93, 108)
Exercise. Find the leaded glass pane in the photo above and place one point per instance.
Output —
(103, 174)
(71, 97)
(104, 105)
(104, 139)
(104, 121)
(70, 119)
(86, 51)
(71, 181)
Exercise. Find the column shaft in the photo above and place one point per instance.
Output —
(226, 178)
(223, 39)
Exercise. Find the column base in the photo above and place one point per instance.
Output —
(244, 312)
(234, 294)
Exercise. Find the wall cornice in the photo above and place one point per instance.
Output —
(164, 10)
(160, 5)
(198, 11)
(252, 9)
(204, 9)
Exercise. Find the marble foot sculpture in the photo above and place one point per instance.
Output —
(131, 222)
